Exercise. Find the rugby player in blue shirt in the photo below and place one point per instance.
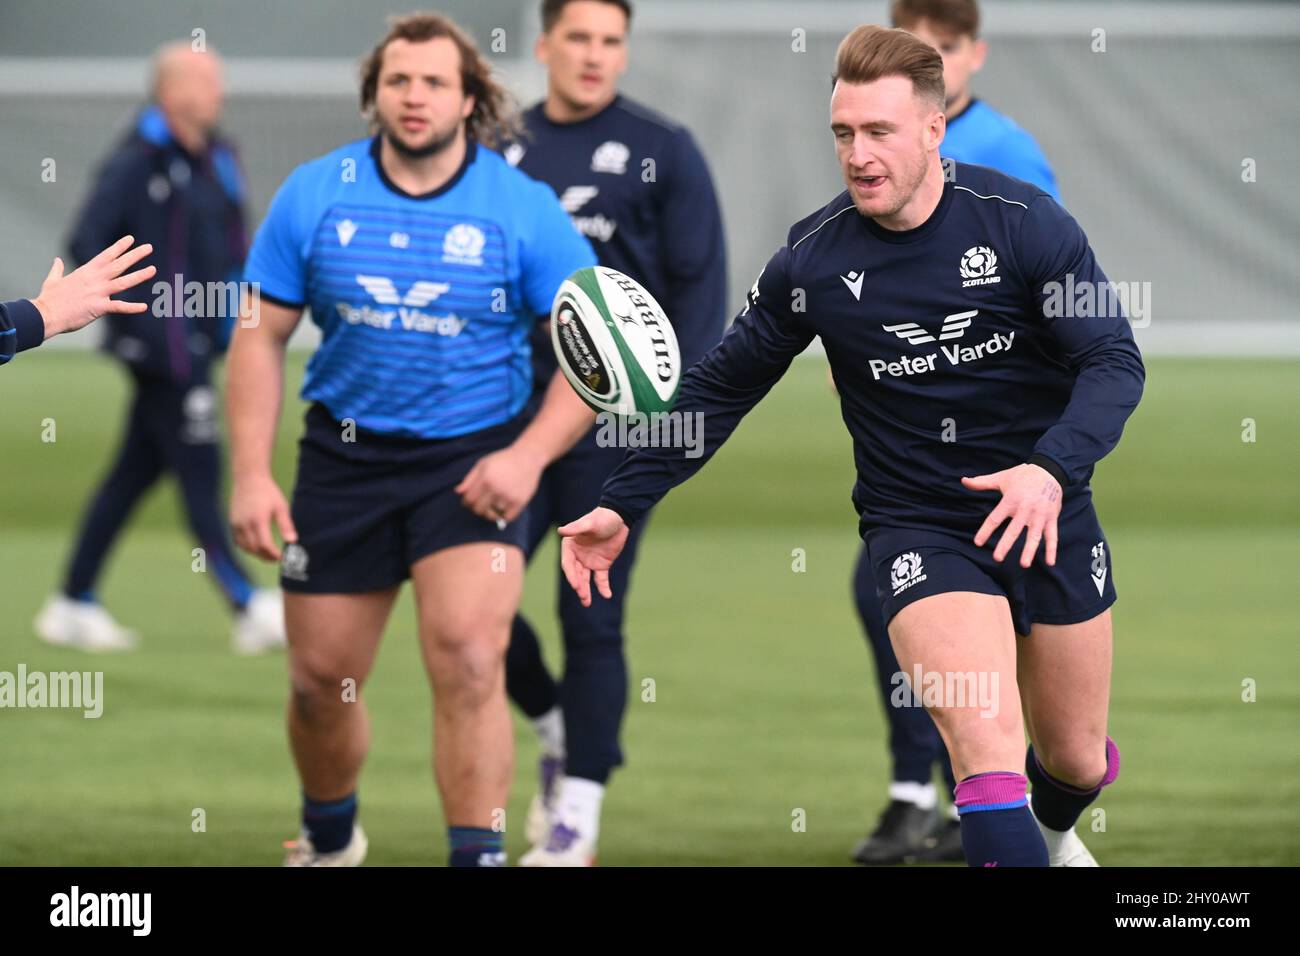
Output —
(938, 302)
(426, 261)
(911, 826)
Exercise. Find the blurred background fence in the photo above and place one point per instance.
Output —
(1175, 147)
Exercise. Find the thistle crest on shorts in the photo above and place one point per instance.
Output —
(293, 563)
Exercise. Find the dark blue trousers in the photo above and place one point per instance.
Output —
(170, 428)
(593, 688)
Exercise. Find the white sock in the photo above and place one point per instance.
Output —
(922, 795)
(550, 732)
(578, 805)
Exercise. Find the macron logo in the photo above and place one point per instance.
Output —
(385, 293)
(854, 281)
(346, 230)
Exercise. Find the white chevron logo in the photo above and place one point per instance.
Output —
(346, 230)
(384, 292)
(954, 327)
(575, 197)
(854, 281)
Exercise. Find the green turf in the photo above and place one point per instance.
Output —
(763, 693)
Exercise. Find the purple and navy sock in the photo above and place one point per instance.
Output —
(997, 828)
(1059, 805)
(328, 823)
(475, 846)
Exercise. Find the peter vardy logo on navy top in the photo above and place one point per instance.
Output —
(408, 314)
(954, 327)
(593, 227)
(978, 265)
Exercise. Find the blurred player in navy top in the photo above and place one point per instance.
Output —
(426, 262)
(174, 182)
(979, 399)
(70, 302)
(910, 826)
(636, 185)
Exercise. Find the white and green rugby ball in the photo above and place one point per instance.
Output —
(614, 343)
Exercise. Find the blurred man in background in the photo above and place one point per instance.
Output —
(67, 303)
(594, 146)
(911, 826)
(176, 184)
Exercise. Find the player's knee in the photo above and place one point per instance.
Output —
(317, 685)
(467, 662)
(1079, 761)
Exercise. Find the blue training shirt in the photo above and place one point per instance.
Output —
(425, 303)
(982, 136)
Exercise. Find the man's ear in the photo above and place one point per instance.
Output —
(540, 49)
(468, 108)
(978, 52)
(936, 129)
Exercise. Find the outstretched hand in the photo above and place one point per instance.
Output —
(70, 302)
(1031, 498)
(591, 544)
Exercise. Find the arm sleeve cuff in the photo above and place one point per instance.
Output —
(618, 509)
(276, 300)
(28, 324)
(1051, 467)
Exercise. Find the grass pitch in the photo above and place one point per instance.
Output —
(763, 693)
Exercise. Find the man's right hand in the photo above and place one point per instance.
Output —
(256, 503)
(70, 302)
(592, 543)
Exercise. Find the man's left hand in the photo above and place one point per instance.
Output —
(1031, 498)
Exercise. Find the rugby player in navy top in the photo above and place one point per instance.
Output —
(426, 261)
(978, 407)
(911, 826)
(594, 147)
(70, 302)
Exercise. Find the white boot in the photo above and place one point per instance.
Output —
(302, 853)
(82, 624)
(260, 626)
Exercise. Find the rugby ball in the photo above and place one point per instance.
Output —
(614, 343)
